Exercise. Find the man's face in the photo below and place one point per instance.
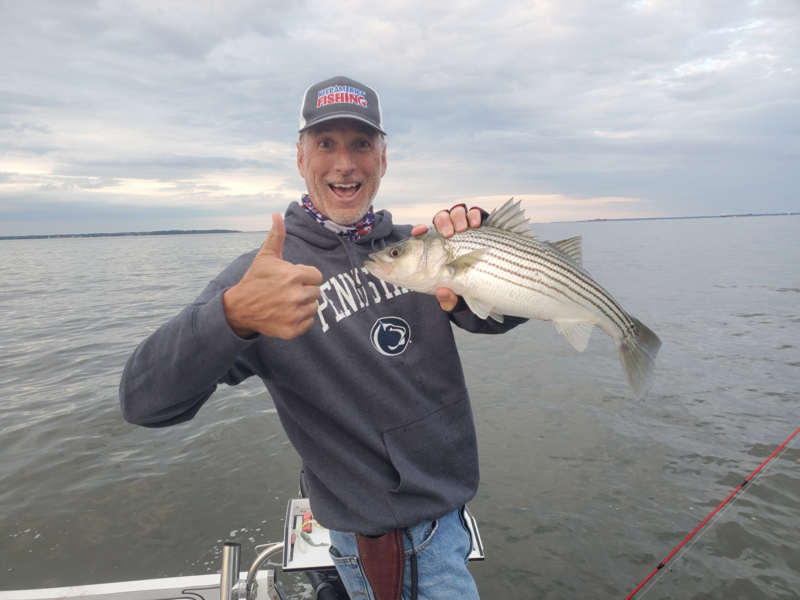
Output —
(342, 162)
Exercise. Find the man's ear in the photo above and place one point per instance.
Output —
(383, 160)
(301, 160)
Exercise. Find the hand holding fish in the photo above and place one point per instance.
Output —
(449, 222)
(455, 220)
(275, 297)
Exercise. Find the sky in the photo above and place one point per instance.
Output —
(141, 115)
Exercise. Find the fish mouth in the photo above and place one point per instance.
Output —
(378, 267)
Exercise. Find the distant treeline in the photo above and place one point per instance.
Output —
(128, 233)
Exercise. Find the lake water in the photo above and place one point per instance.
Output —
(584, 489)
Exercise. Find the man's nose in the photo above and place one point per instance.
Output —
(344, 162)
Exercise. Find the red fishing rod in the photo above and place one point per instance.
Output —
(664, 562)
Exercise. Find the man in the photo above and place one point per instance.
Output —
(365, 376)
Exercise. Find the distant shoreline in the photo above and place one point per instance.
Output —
(196, 231)
(126, 234)
(786, 214)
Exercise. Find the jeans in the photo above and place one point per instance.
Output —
(443, 547)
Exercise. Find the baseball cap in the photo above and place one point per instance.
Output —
(341, 98)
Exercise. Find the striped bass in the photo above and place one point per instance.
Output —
(501, 269)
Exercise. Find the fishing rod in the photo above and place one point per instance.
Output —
(664, 562)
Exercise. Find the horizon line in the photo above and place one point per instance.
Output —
(212, 231)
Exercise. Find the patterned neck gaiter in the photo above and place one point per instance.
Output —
(351, 233)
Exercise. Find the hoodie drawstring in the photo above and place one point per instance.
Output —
(362, 293)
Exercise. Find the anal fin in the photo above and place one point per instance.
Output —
(576, 332)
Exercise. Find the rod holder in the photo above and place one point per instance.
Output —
(229, 575)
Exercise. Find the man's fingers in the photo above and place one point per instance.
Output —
(457, 219)
(301, 328)
(295, 323)
(310, 294)
(274, 242)
(308, 275)
(443, 223)
(447, 299)
(474, 217)
(458, 214)
(419, 230)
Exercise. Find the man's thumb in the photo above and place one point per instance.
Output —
(274, 242)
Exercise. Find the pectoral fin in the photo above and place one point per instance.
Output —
(462, 263)
(482, 309)
(577, 332)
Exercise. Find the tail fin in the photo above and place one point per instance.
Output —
(638, 358)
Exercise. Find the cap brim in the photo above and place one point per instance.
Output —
(341, 115)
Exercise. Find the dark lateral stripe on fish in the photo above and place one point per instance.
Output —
(557, 295)
(520, 247)
(524, 253)
(627, 326)
(571, 286)
(529, 251)
(551, 265)
(528, 265)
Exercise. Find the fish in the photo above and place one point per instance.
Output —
(502, 269)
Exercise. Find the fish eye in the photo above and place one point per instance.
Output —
(394, 252)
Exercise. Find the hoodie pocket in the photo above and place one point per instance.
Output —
(436, 458)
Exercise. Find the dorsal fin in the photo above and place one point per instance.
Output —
(511, 218)
(572, 247)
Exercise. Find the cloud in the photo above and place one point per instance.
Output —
(40, 215)
(539, 208)
(692, 107)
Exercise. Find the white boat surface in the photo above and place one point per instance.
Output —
(192, 587)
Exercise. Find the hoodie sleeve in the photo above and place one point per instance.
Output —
(175, 370)
(469, 321)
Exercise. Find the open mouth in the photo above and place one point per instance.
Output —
(345, 190)
(377, 266)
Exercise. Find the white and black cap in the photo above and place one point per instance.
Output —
(341, 98)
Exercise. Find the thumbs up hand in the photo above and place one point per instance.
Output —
(275, 298)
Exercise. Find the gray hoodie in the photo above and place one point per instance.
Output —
(372, 396)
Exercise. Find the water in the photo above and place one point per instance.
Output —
(584, 489)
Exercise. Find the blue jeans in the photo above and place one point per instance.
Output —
(443, 547)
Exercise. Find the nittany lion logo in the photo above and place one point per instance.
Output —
(390, 335)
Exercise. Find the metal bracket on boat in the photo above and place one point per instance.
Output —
(251, 585)
(233, 588)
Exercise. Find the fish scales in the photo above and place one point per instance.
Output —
(502, 269)
(535, 262)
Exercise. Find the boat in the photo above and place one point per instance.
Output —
(231, 583)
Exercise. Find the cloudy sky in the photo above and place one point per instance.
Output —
(139, 115)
